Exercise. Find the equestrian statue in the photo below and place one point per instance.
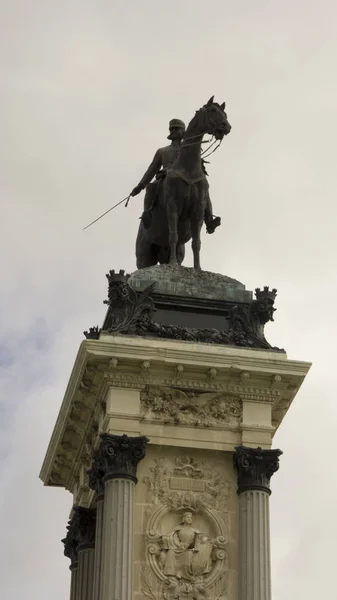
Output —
(177, 203)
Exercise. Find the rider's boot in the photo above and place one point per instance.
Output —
(212, 223)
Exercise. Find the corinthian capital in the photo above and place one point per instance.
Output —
(70, 545)
(84, 526)
(117, 456)
(255, 468)
(96, 473)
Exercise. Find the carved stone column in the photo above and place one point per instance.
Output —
(255, 468)
(85, 524)
(70, 550)
(96, 483)
(118, 457)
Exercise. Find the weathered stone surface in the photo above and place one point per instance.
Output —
(185, 496)
(118, 540)
(188, 282)
(254, 546)
(117, 457)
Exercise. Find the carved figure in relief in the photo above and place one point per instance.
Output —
(186, 553)
(182, 562)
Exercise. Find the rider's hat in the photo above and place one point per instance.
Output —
(177, 123)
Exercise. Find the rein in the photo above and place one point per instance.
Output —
(203, 154)
(214, 149)
(183, 145)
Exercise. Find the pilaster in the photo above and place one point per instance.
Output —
(255, 468)
(95, 477)
(70, 551)
(84, 524)
(73, 581)
(98, 547)
(117, 459)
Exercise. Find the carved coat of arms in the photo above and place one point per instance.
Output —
(186, 532)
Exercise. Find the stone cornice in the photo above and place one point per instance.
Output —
(189, 353)
(133, 362)
(65, 411)
(74, 425)
(138, 381)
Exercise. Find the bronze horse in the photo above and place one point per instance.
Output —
(178, 214)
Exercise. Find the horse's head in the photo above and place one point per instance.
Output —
(214, 119)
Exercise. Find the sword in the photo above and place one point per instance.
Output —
(107, 211)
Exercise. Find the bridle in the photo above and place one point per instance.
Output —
(210, 141)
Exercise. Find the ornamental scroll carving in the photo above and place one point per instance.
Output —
(186, 532)
(132, 312)
(175, 406)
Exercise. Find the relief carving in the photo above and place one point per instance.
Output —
(186, 532)
(175, 406)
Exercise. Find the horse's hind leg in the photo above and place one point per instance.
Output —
(180, 253)
(196, 225)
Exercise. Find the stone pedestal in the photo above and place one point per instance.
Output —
(198, 379)
(255, 468)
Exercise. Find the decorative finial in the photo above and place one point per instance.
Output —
(266, 294)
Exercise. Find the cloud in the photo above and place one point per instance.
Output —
(88, 89)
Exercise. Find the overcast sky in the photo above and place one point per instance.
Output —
(87, 90)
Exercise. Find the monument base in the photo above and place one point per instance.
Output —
(185, 304)
(176, 515)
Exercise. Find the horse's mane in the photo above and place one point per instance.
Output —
(203, 110)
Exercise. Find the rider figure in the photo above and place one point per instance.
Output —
(163, 160)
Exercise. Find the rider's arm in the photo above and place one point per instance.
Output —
(154, 167)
